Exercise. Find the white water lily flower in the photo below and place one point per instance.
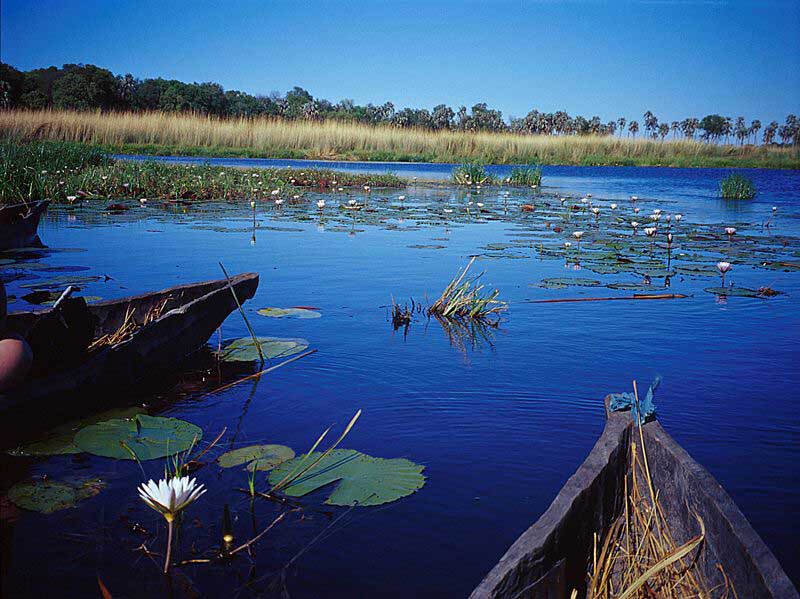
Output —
(142, 200)
(401, 198)
(774, 208)
(169, 497)
(669, 238)
(650, 231)
(668, 217)
(730, 231)
(724, 267)
(71, 199)
(320, 204)
(253, 205)
(636, 210)
(279, 201)
(275, 192)
(634, 224)
(577, 235)
(595, 210)
(567, 244)
(678, 218)
(613, 206)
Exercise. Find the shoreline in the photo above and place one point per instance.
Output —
(176, 151)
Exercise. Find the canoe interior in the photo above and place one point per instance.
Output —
(106, 378)
(552, 557)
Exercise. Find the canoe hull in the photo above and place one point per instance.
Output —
(551, 558)
(154, 349)
(19, 224)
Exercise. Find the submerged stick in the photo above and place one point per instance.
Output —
(244, 316)
(659, 296)
(260, 372)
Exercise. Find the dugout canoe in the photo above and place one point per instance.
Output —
(19, 224)
(552, 557)
(190, 314)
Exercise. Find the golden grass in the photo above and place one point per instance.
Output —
(188, 133)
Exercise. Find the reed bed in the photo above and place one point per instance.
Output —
(639, 557)
(737, 187)
(160, 132)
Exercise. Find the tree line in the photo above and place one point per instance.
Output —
(88, 87)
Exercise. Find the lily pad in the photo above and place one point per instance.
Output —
(262, 457)
(562, 282)
(244, 350)
(46, 496)
(361, 479)
(60, 440)
(289, 313)
(148, 437)
(740, 292)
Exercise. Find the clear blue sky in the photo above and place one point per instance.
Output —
(616, 58)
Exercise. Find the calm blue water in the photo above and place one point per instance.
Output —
(499, 426)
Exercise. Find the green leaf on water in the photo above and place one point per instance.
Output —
(148, 437)
(265, 457)
(46, 496)
(60, 440)
(244, 350)
(289, 313)
(361, 479)
(740, 292)
(562, 282)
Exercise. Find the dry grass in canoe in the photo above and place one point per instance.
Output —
(467, 299)
(639, 557)
(129, 326)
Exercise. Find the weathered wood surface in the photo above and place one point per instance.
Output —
(552, 557)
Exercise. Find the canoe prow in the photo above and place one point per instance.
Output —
(552, 557)
(19, 224)
(191, 313)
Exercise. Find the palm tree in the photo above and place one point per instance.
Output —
(754, 128)
(740, 130)
(663, 130)
(621, 123)
(676, 127)
(633, 127)
(650, 123)
(726, 128)
(769, 133)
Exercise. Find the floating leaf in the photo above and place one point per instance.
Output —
(46, 496)
(562, 282)
(267, 456)
(289, 313)
(362, 480)
(244, 350)
(741, 292)
(60, 440)
(148, 437)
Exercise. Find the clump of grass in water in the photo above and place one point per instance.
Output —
(465, 298)
(471, 174)
(526, 176)
(737, 187)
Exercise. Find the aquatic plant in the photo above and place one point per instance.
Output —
(169, 498)
(723, 268)
(471, 174)
(71, 172)
(466, 299)
(528, 176)
(737, 187)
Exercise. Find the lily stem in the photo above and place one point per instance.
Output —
(169, 545)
